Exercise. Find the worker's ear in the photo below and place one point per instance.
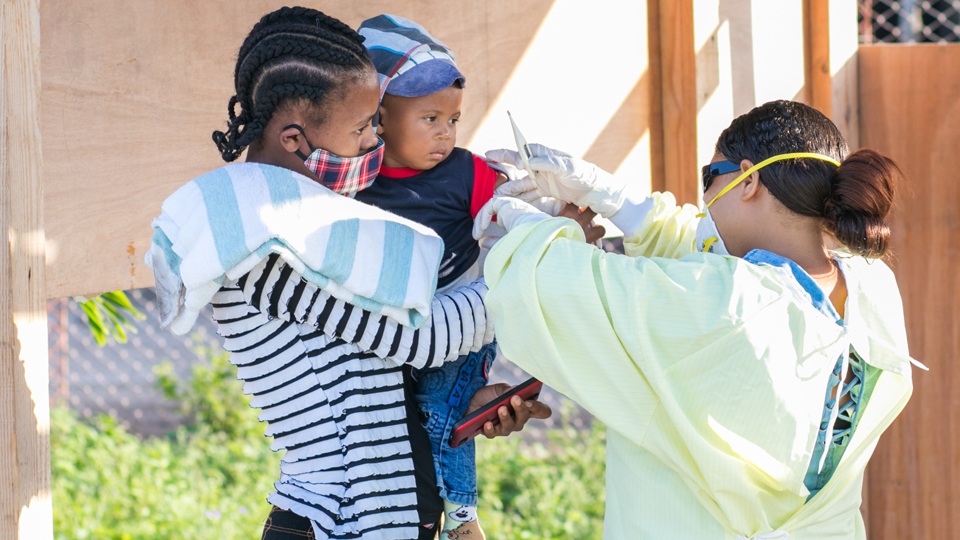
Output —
(751, 185)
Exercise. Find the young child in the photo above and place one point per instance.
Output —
(318, 297)
(426, 178)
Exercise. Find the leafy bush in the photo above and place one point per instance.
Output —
(213, 397)
(110, 484)
(210, 478)
(543, 490)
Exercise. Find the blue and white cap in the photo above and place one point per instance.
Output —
(409, 61)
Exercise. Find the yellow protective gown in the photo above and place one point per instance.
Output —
(709, 372)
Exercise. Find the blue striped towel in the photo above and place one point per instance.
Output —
(221, 224)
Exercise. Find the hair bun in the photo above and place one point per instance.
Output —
(861, 197)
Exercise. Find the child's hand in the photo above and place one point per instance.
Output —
(524, 410)
(592, 231)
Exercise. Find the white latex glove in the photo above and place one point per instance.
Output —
(511, 172)
(493, 233)
(524, 188)
(547, 205)
(510, 213)
(564, 177)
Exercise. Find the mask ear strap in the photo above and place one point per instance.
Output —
(769, 160)
(299, 128)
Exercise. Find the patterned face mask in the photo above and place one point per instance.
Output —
(343, 175)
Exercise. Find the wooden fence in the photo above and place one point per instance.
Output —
(131, 91)
(910, 110)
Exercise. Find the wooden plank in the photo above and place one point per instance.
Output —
(655, 75)
(844, 43)
(675, 59)
(816, 22)
(910, 110)
(25, 505)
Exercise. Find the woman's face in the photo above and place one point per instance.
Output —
(724, 209)
(347, 129)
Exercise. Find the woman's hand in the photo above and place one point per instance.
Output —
(524, 410)
(584, 218)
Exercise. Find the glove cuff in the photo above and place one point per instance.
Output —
(609, 193)
(632, 213)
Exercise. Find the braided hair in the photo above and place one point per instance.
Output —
(852, 201)
(293, 56)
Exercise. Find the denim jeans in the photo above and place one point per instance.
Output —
(443, 395)
(285, 525)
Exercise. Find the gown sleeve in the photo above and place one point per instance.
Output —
(607, 329)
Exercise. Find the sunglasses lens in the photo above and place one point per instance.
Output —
(710, 172)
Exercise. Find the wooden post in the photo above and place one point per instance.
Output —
(673, 61)
(816, 22)
(25, 505)
(844, 71)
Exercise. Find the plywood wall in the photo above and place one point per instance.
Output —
(131, 92)
(910, 110)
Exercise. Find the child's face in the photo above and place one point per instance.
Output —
(347, 129)
(420, 132)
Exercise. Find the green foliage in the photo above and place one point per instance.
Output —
(213, 397)
(107, 316)
(210, 478)
(543, 490)
(109, 484)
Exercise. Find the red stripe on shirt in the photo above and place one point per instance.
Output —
(398, 172)
(484, 182)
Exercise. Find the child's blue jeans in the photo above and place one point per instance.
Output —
(443, 395)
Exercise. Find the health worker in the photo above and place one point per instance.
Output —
(745, 358)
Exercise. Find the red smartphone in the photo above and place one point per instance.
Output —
(472, 425)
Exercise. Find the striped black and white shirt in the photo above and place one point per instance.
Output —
(327, 378)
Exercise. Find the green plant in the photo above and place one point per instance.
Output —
(107, 316)
(550, 489)
(109, 484)
(212, 397)
(210, 478)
